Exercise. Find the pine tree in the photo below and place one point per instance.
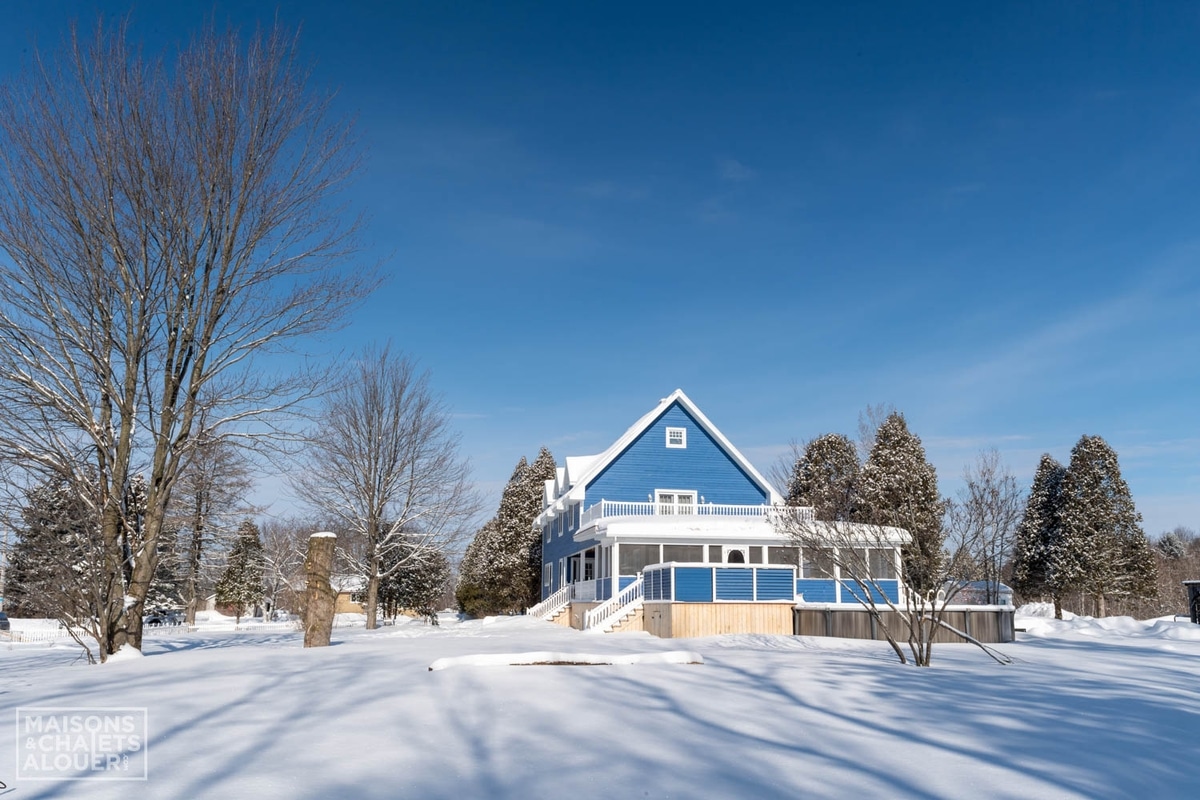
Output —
(1043, 563)
(242, 582)
(510, 557)
(418, 584)
(58, 555)
(1171, 546)
(899, 489)
(1098, 516)
(501, 569)
(475, 591)
(826, 477)
(166, 588)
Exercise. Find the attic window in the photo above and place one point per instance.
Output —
(676, 437)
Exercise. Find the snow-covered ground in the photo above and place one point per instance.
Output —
(1090, 708)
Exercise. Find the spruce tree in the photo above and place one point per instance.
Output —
(1099, 517)
(899, 488)
(1042, 561)
(242, 582)
(826, 476)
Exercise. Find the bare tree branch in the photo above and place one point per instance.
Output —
(168, 227)
(384, 462)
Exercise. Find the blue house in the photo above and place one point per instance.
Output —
(672, 530)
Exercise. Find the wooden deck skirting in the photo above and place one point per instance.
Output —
(988, 624)
(678, 620)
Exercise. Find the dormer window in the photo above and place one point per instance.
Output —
(677, 437)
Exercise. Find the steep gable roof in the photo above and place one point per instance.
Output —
(591, 466)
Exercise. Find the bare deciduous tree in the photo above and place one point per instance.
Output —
(865, 559)
(284, 543)
(869, 420)
(165, 226)
(208, 503)
(983, 522)
(384, 461)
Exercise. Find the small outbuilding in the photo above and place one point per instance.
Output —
(1193, 592)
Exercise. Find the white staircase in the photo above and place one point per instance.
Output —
(603, 617)
(552, 605)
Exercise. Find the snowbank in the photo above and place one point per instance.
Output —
(125, 653)
(1108, 627)
(564, 659)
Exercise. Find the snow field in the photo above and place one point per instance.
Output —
(1091, 708)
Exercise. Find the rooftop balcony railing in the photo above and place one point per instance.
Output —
(606, 509)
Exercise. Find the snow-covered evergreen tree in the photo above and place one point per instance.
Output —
(541, 470)
(1044, 563)
(899, 488)
(241, 584)
(826, 476)
(58, 554)
(417, 584)
(166, 588)
(510, 556)
(475, 592)
(1170, 545)
(1099, 517)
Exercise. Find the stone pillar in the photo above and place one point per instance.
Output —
(319, 597)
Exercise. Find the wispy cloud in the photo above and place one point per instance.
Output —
(730, 169)
(569, 438)
(527, 237)
(1052, 344)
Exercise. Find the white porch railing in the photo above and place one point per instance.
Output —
(552, 604)
(622, 508)
(585, 591)
(612, 609)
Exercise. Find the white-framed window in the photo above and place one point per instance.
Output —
(677, 437)
(547, 574)
(673, 501)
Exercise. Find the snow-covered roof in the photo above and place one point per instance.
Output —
(347, 583)
(577, 466)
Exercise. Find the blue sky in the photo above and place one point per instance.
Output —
(986, 218)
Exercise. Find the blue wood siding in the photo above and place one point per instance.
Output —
(693, 585)
(658, 584)
(776, 584)
(648, 464)
(562, 545)
(853, 593)
(623, 581)
(735, 584)
(817, 590)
